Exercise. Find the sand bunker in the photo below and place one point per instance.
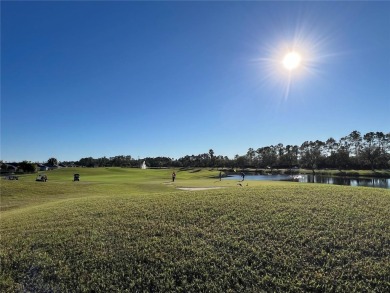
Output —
(198, 188)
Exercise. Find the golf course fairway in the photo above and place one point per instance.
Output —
(133, 230)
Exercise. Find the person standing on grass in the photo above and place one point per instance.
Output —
(220, 176)
(173, 176)
(243, 176)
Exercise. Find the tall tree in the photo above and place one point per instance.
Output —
(311, 154)
(250, 155)
(337, 154)
(268, 156)
(355, 140)
(373, 149)
(52, 162)
(289, 158)
(212, 158)
(241, 161)
(211, 153)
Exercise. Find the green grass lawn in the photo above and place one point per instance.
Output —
(133, 230)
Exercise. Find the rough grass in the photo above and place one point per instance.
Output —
(117, 233)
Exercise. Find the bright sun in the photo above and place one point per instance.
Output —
(292, 60)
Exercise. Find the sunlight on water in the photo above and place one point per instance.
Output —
(368, 182)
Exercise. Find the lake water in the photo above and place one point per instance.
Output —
(369, 182)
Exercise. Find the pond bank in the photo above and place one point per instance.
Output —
(309, 178)
(322, 172)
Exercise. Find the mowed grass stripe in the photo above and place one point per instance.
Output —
(275, 237)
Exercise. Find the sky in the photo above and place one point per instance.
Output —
(174, 78)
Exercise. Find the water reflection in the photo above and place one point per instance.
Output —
(369, 182)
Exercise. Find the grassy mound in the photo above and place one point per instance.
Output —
(131, 230)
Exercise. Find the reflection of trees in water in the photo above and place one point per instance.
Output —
(370, 182)
(310, 178)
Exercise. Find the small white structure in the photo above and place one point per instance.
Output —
(143, 166)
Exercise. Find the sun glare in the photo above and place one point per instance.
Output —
(292, 60)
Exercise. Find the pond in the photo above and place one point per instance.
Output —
(363, 181)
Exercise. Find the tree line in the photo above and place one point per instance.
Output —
(354, 151)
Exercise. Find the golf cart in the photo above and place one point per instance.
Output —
(76, 177)
(41, 177)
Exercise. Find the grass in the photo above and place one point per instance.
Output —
(131, 230)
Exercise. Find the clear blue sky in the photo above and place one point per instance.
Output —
(149, 79)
